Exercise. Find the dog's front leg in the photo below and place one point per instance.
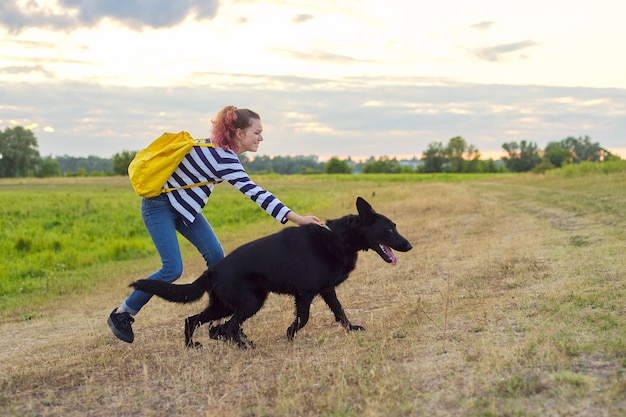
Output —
(330, 297)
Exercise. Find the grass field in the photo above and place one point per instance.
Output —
(512, 303)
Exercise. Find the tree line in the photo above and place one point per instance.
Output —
(19, 157)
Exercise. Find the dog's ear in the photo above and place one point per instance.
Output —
(363, 207)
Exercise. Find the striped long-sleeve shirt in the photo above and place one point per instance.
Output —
(204, 164)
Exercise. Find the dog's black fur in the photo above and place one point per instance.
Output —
(300, 261)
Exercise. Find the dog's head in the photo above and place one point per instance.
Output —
(380, 233)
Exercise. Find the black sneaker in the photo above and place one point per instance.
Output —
(120, 323)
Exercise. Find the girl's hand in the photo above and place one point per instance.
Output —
(302, 220)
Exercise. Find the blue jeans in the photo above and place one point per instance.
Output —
(162, 222)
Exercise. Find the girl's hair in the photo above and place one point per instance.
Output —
(226, 123)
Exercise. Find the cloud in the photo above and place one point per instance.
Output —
(135, 14)
(37, 60)
(26, 69)
(357, 117)
(484, 25)
(495, 53)
(318, 56)
(300, 18)
(27, 44)
(16, 19)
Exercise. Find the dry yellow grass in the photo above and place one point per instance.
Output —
(512, 303)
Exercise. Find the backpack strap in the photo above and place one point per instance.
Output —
(201, 142)
(199, 184)
(196, 142)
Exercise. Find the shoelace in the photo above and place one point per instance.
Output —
(128, 320)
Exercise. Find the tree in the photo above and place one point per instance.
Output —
(521, 157)
(384, 165)
(50, 167)
(556, 154)
(455, 150)
(583, 149)
(473, 163)
(336, 166)
(434, 157)
(284, 165)
(462, 156)
(19, 153)
(91, 165)
(261, 163)
(490, 166)
(121, 161)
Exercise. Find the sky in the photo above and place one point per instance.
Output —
(344, 78)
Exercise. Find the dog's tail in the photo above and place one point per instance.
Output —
(183, 293)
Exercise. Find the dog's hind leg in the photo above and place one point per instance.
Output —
(214, 311)
(303, 307)
(191, 324)
(231, 331)
(330, 297)
(247, 303)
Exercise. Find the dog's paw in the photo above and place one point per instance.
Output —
(217, 332)
(355, 327)
(246, 344)
(291, 332)
(194, 345)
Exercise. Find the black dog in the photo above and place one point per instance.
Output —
(301, 261)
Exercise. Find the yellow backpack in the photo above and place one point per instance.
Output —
(154, 165)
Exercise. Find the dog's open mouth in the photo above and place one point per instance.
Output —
(386, 253)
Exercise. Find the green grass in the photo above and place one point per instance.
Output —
(50, 229)
(611, 166)
(54, 233)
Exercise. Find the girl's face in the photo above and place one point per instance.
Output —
(250, 137)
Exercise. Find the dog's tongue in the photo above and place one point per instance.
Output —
(389, 253)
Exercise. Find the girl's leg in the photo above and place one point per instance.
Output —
(160, 220)
(201, 235)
